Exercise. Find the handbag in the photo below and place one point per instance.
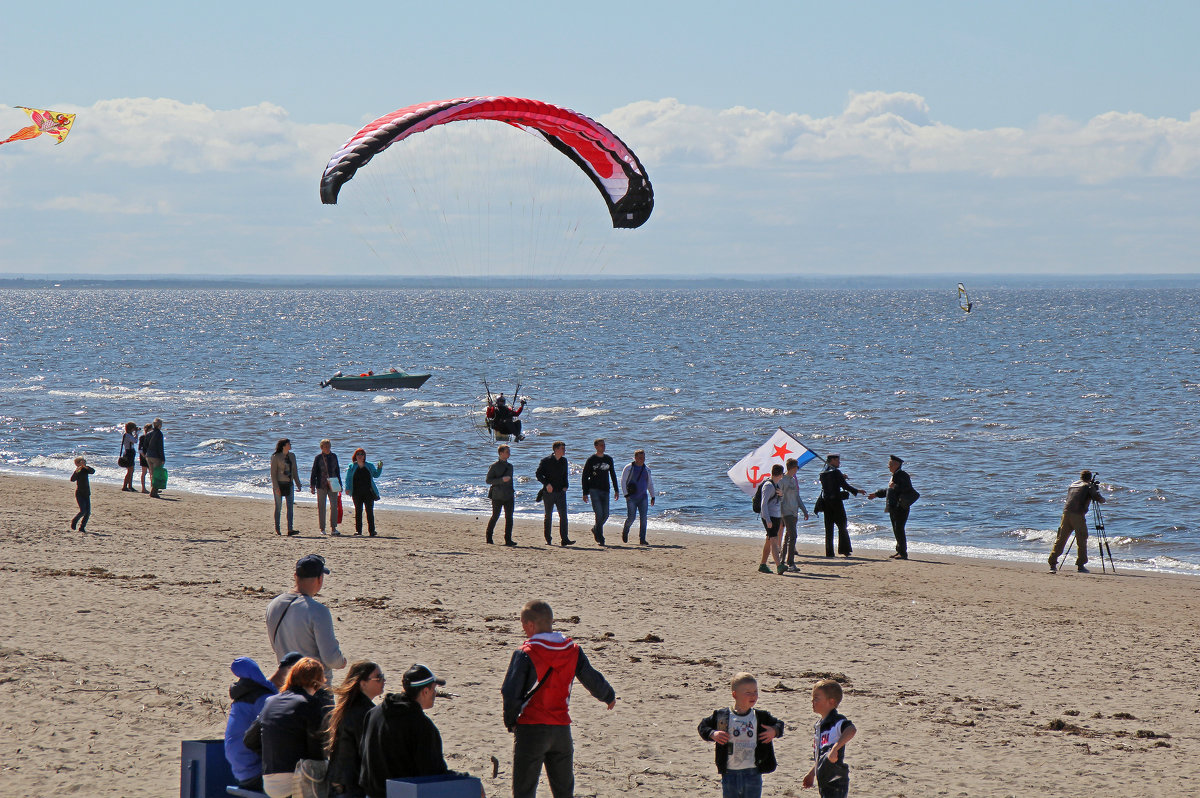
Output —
(311, 779)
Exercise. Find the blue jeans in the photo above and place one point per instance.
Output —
(84, 500)
(599, 500)
(290, 494)
(632, 508)
(741, 784)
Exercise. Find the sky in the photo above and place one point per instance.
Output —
(870, 138)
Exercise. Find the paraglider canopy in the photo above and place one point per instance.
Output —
(611, 165)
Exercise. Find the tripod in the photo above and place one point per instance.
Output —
(1101, 539)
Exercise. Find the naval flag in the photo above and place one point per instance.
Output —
(752, 469)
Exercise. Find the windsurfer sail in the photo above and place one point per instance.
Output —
(964, 300)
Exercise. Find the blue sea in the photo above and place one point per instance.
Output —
(995, 412)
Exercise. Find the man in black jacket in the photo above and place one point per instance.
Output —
(899, 495)
(833, 485)
(399, 741)
(552, 473)
(598, 471)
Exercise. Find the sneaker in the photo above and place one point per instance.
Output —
(335, 533)
(781, 569)
(763, 568)
(1083, 569)
(1053, 565)
(793, 569)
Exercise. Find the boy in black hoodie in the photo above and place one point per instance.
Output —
(743, 736)
(399, 741)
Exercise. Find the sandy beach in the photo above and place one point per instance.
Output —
(965, 677)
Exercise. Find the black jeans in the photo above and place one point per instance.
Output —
(84, 500)
(507, 506)
(360, 503)
(557, 499)
(535, 745)
(837, 789)
(899, 519)
(836, 515)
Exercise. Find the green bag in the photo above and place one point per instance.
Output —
(158, 478)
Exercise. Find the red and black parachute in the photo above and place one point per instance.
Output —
(610, 164)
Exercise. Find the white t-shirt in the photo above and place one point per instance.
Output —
(743, 737)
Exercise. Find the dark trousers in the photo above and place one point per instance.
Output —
(557, 499)
(836, 515)
(899, 519)
(367, 503)
(535, 745)
(837, 789)
(84, 500)
(497, 506)
(599, 500)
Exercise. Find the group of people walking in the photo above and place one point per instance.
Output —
(599, 471)
(291, 728)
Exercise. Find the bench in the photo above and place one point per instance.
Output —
(205, 773)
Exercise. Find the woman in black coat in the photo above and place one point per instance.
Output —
(353, 699)
(291, 727)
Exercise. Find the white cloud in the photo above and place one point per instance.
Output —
(144, 132)
(882, 132)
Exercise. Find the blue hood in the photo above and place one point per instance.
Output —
(246, 668)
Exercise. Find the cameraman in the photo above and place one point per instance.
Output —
(1074, 519)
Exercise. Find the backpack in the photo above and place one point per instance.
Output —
(756, 504)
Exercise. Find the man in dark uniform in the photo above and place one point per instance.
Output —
(833, 484)
(1080, 494)
(899, 495)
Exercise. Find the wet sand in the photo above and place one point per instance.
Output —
(965, 677)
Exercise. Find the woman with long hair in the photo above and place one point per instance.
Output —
(291, 727)
(285, 479)
(353, 698)
(128, 456)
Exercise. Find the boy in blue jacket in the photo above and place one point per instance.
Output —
(247, 696)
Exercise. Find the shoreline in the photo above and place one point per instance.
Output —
(877, 541)
(958, 672)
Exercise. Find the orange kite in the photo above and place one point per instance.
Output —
(51, 122)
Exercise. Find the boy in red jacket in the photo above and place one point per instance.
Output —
(537, 690)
